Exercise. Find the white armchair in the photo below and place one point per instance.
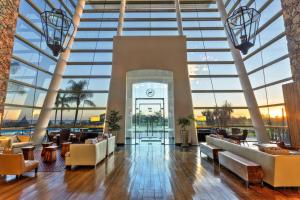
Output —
(111, 144)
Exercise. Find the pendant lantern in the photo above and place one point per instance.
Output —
(242, 26)
(58, 29)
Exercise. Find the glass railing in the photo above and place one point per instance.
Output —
(277, 133)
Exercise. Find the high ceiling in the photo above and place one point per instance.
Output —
(147, 1)
(154, 3)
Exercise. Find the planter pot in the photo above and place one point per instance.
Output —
(114, 133)
(184, 138)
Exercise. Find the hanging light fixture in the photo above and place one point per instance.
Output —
(242, 26)
(58, 29)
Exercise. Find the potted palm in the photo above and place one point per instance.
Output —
(184, 122)
(112, 120)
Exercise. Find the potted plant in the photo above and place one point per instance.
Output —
(112, 120)
(184, 122)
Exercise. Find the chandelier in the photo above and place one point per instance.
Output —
(242, 26)
(58, 29)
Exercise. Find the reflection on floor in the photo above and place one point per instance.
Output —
(143, 140)
(141, 172)
(57, 166)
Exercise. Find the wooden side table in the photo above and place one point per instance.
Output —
(65, 147)
(28, 152)
(46, 144)
(50, 154)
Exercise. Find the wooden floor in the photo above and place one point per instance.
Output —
(141, 172)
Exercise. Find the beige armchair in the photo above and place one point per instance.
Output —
(14, 164)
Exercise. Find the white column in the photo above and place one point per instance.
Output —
(121, 18)
(178, 16)
(57, 77)
(255, 115)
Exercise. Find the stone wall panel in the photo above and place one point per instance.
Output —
(8, 21)
(291, 15)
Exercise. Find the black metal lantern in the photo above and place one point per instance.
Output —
(58, 29)
(242, 26)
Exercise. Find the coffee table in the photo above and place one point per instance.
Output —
(28, 152)
(50, 154)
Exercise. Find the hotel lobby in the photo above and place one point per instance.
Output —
(150, 99)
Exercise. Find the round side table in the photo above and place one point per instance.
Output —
(28, 152)
(65, 147)
(50, 154)
(46, 144)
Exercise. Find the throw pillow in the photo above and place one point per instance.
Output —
(14, 139)
(277, 151)
(6, 143)
(23, 138)
(90, 141)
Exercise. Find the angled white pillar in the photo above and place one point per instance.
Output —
(178, 17)
(255, 115)
(121, 18)
(57, 77)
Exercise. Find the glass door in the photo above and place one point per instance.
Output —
(149, 111)
(149, 120)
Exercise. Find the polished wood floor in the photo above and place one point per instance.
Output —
(147, 171)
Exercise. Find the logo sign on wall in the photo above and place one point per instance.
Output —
(150, 92)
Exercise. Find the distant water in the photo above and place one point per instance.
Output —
(22, 131)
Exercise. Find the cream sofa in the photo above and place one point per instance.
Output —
(86, 154)
(279, 170)
(111, 144)
(15, 142)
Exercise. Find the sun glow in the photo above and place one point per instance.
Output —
(276, 113)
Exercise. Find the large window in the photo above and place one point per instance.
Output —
(267, 63)
(32, 65)
(213, 76)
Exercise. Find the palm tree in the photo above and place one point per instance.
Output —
(225, 113)
(78, 95)
(64, 103)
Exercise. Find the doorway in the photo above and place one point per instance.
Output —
(150, 120)
(149, 107)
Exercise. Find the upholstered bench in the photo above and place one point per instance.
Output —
(247, 170)
(210, 150)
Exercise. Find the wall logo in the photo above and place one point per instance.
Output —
(150, 92)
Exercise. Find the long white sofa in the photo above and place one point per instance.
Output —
(86, 154)
(279, 170)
